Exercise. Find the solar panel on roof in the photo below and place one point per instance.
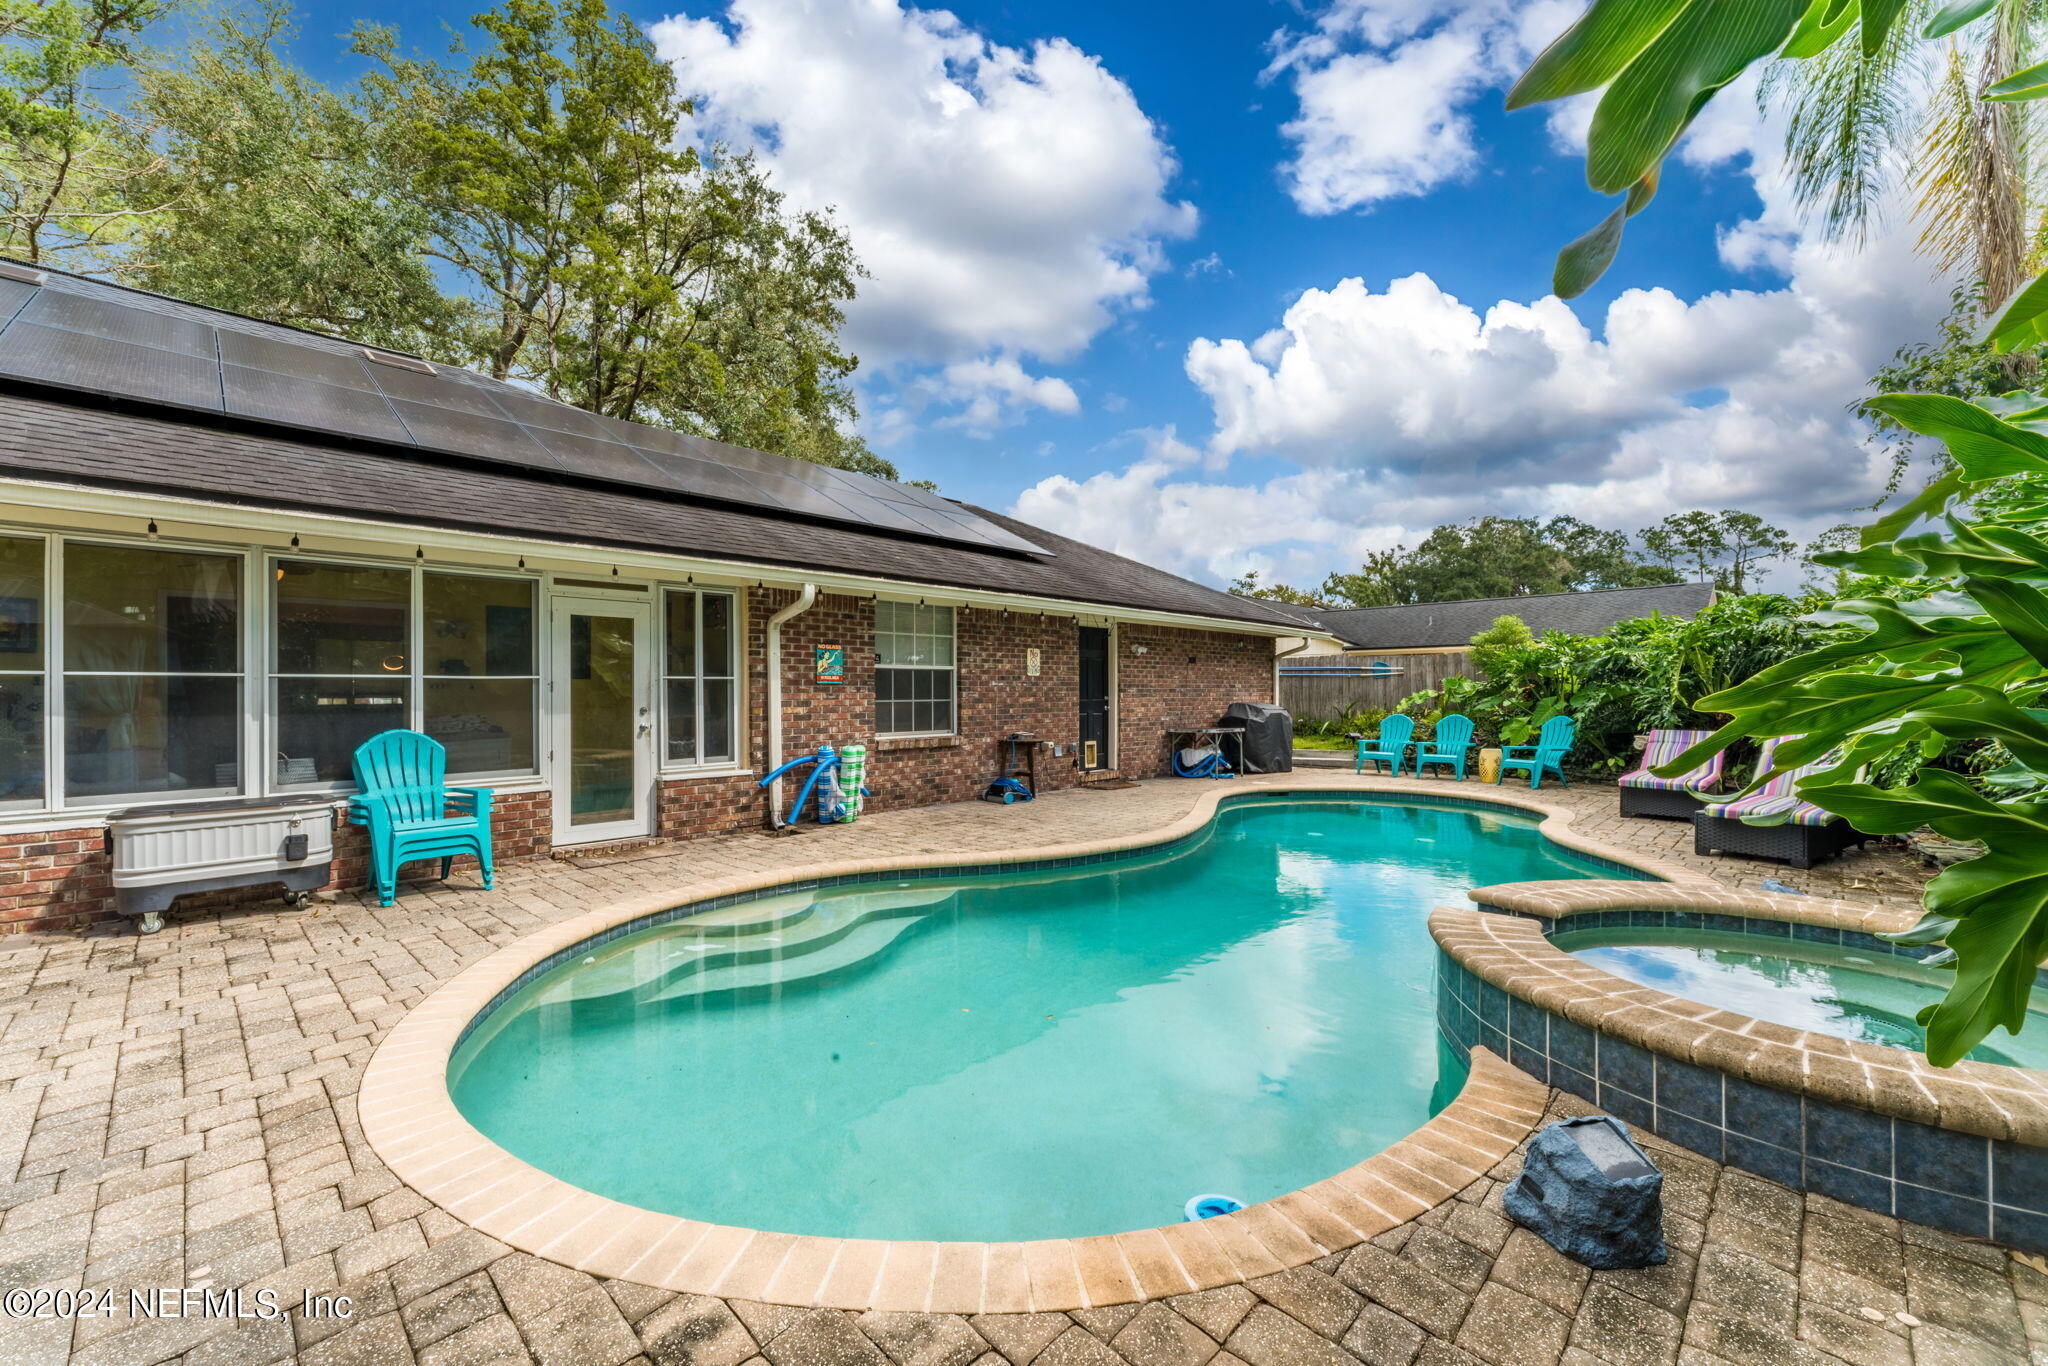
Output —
(437, 391)
(79, 361)
(309, 403)
(704, 479)
(118, 322)
(448, 430)
(13, 294)
(597, 459)
(286, 358)
(81, 334)
(531, 410)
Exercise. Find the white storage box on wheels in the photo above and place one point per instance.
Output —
(162, 852)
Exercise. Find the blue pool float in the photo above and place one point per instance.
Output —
(1209, 1206)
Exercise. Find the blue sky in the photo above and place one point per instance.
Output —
(1082, 218)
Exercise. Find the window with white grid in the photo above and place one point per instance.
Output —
(914, 663)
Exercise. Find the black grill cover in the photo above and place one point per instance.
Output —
(1268, 736)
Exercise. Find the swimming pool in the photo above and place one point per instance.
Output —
(1870, 996)
(1011, 1056)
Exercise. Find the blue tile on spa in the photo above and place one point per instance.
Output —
(1817, 934)
(1767, 1160)
(1689, 1090)
(1625, 1065)
(1493, 1006)
(1762, 1113)
(1776, 929)
(1577, 1083)
(2019, 1176)
(1849, 1137)
(1529, 1060)
(1687, 1132)
(1621, 1104)
(1492, 1039)
(1526, 1023)
(1941, 1159)
(2020, 1228)
(1939, 1209)
(1571, 1044)
(1849, 1185)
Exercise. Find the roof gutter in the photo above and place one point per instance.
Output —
(806, 596)
(1279, 655)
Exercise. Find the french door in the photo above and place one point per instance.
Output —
(601, 720)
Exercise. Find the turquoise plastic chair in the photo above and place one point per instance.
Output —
(1448, 744)
(411, 813)
(1553, 742)
(1391, 746)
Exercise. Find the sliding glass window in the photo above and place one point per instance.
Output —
(22, 648)
(478, 656)
(701, 679)
(152, 671)
(343, 664)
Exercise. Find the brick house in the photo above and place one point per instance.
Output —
(230, 551)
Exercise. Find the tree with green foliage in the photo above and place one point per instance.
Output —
(74, 158)
(1724, 548)
(1249, 585)
(1375, 583)
(291, 206)
(1493, 648)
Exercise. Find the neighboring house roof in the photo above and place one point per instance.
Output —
(1451, 625)
(112, 436)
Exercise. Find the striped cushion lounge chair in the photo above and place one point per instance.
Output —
(1643, 793)
(1808, 835)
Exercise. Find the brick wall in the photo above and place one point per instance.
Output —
(51, 879)
(56, 879)
(1183, 678)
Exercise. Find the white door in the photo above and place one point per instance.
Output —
(601, 716)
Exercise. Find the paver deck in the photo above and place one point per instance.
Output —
(180, 1112)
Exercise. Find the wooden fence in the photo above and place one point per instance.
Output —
(1329, 695)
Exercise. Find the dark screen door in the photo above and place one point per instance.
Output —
(1094, 697)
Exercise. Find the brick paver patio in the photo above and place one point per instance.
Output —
(180, 1112)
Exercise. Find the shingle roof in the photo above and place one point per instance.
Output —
(68, 441)
(113, 437)
(1428, 625)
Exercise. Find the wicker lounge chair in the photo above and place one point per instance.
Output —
(1643, 793)
(1807, 836)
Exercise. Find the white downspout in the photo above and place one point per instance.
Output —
(807, 595)
(1279, 655)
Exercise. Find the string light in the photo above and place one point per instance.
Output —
(152, 531)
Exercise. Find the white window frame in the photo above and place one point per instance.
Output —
(951, 670)
(53, 702)
(55, 751)
(413, 714)
(737, 633)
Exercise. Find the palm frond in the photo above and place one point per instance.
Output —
(1972, 167)
(1846, 115)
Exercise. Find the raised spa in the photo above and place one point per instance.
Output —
(1011, 1056)
(1866, 993)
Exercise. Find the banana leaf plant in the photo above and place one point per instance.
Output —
(1965, 661)
(1658, 63)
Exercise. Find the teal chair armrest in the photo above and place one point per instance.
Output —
(475, 800)
(371, 810)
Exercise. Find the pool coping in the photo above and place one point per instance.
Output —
(1506, 944)
(411, 1122)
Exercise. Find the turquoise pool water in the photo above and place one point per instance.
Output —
(1850, 993)
(1013, 1056)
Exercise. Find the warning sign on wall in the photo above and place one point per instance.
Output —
(831, 664)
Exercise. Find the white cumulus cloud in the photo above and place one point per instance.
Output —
(1003, 200)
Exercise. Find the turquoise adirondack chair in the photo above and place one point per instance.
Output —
(1391, 746)
(411, 813)
(1553, 742)
(1448, 744)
